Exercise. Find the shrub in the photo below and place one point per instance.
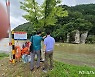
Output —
(2, 55)
(90, 39)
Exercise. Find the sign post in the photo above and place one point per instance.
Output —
(20, 35)
(17, 36)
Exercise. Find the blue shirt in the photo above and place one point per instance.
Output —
(49, 42)
(36, 40)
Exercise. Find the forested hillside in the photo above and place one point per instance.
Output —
(77, 27)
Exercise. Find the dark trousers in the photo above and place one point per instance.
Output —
(33, 57)
(48, 56)
(40, 55)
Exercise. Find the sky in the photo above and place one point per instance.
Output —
(16, 13)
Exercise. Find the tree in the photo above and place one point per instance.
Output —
(32, 8)
(42, 15)
(91, 18)
(52, 16)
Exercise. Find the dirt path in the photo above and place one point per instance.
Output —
(18, 70)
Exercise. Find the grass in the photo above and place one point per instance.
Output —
(2, 55)
(72, 60)
(66, 70)
(60, 70)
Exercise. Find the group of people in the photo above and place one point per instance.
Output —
(21, 51)
(47, 49)
(35, 41)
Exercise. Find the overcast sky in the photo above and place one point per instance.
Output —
(16, 13)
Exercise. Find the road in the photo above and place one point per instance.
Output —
(4, 45)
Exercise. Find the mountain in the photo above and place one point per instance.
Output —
(84, 11)
(27, 27)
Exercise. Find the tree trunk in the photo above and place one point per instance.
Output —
(68, 37)
(83, 37)
(77, 37)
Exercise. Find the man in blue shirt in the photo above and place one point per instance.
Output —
(36, 40)
(48, 48)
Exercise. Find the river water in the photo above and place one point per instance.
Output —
(78, 54)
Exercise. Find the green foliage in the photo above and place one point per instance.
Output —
(32, 8)
(91, 39)
(76, 20)
(65, 70)
(42, 15)
(91, 18)
(85, 9)
(83, 24)
(2, 55)
(59, 19)
(59, 34)
(88, 13)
